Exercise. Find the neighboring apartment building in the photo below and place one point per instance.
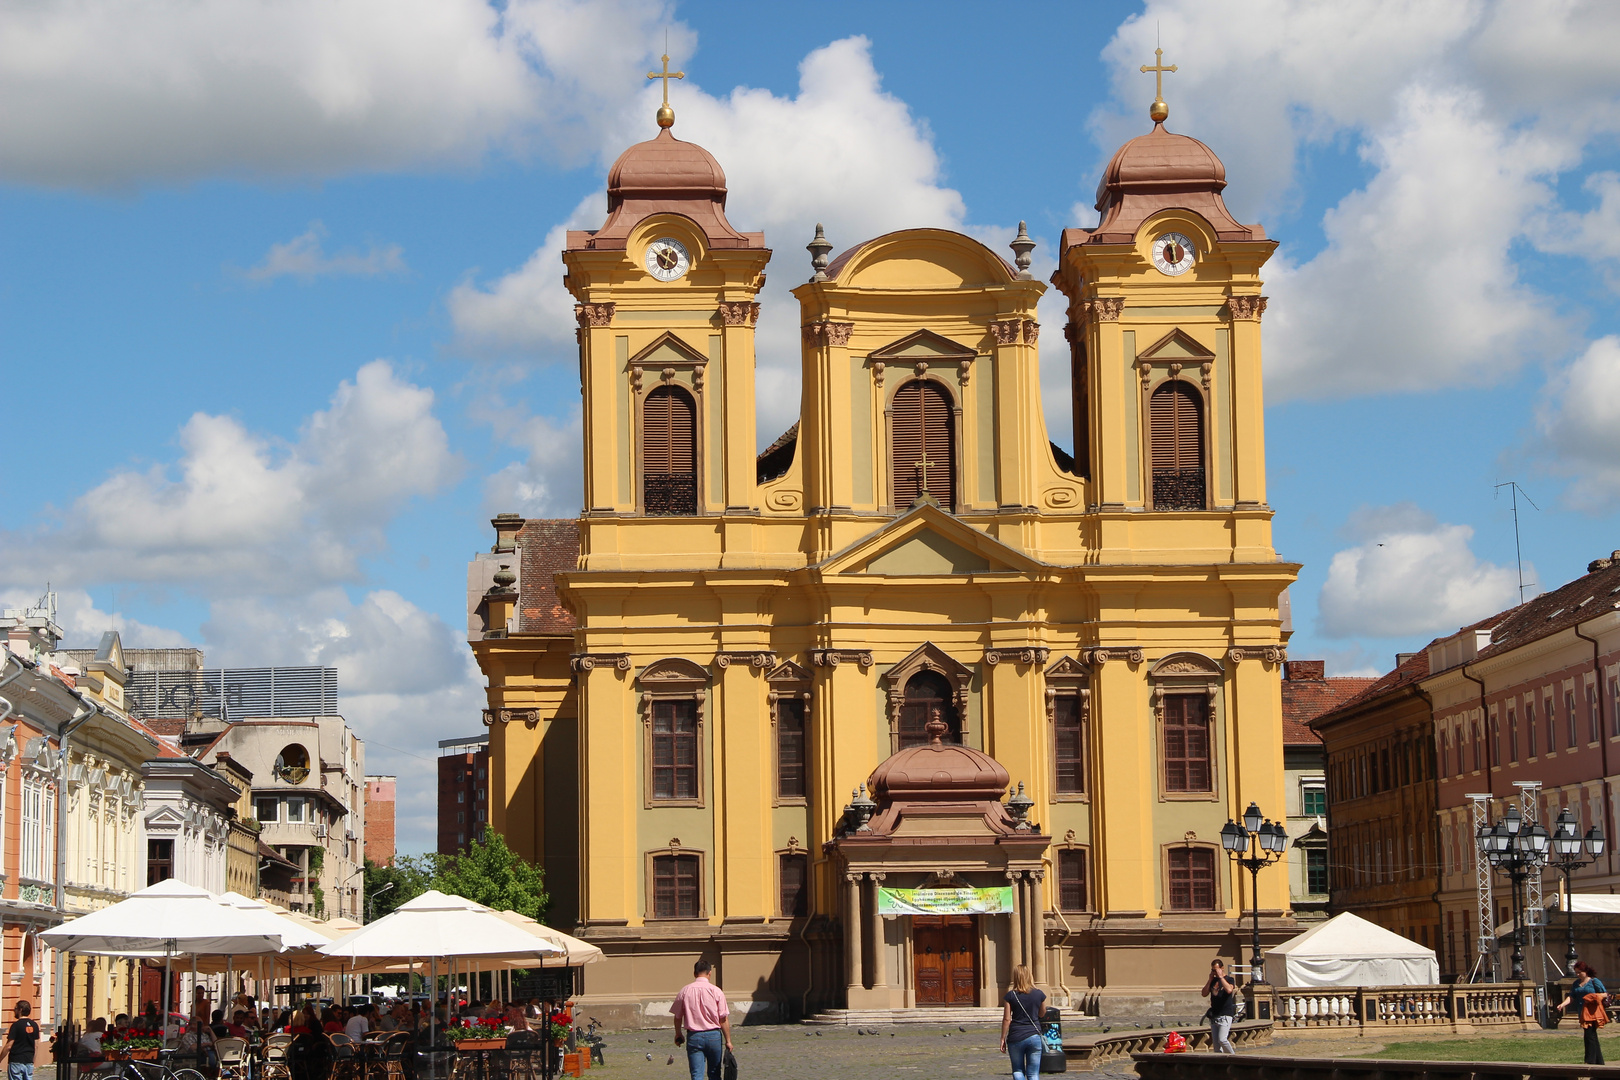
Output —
(242, 847)
(1530, 694)
(463, 792)
(188, 821)
(380, 819)
(1382, 830)
(1307, 693)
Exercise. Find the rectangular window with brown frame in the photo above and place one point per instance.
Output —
(675, 749)
(1192, 879)
(1187, 751)
(1513, 735)
(1176, 445)
(1074, 879)
(1069, 736)
(1569, 717)
(790, 747)
(793, 878)
(677, 886)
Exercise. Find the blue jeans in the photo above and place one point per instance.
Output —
(19, 1070)
(704, 1052)
(1026, 1058)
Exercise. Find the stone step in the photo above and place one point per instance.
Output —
(959, 1015)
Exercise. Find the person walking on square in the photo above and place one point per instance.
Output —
(702, 1022)
(1021, 1025)
(1222, 994)
(1592, 998)
(18, 1049)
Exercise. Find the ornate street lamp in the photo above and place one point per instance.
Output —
(1517, 849)
(1254, 844)
(1568, 846)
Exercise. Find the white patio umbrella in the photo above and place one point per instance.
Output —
(437, 926)
(576, 953)
(168, 919)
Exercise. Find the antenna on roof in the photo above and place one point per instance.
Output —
(1518, 552)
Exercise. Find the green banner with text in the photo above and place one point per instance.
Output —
(997, 901)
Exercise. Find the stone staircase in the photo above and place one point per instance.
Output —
(955, 1015)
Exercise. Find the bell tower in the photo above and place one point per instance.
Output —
(666, 302)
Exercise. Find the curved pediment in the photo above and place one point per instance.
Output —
(920, 258)
(672, 670)
(1186, 663)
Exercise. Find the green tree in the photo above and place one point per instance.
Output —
(387, 887)
(488, 872)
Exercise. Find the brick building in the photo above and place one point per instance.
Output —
(380, 819)
(1383, 834)
(463, 792)
(1530, 695)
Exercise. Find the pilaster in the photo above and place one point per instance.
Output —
(738, 319)
(742, 785)
(1248, 415)
(1115, 392)
(610, 789)
(1126, 782)
(599, 377)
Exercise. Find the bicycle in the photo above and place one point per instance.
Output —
(587, 1035)
(153, 1070)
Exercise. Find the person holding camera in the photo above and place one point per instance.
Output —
(1222, 994)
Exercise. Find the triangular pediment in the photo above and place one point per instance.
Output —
(788, 672)
(667, 350)
(1176, 345)
(165, 815)
(927, 541)
(924, 344)
(1068, 667)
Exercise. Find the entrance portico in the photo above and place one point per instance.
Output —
(942, 881)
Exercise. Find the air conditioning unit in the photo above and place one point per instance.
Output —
(320, 832)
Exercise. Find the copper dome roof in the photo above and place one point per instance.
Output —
(665, 168)
(938, 770)
(1161, 160)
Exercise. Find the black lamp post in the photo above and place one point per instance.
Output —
(1568, 846)
(1518, 850)
(1254, 843)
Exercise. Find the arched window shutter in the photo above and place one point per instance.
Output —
(669, 452)
(1177, 447)
(923, 427)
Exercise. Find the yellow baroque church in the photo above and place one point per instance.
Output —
(915, 695)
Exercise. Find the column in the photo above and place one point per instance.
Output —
(852, 933)
(1037, 927)
(1016, 943)
(880, 958)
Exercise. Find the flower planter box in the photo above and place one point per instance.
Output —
(481, 1044)
(143, 1055)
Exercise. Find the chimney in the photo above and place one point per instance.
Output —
(1305, 670)
(506, 530)
(1403, 657)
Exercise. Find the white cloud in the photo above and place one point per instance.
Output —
(83, 623)
(1593, 235)
(1578, 426)
(1414, 289)
(549, 482)
(405, 678)
(1409, 575)
(239, 512)
(302, 257)
(130, 91)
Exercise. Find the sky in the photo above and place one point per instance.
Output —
(282, 323)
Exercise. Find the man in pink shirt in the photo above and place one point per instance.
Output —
(703, 1022)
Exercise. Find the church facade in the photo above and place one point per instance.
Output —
(915, 695)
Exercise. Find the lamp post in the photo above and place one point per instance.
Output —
(1518, 849)
(1254, 843)
(1568, 846)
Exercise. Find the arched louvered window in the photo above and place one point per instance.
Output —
(1177, 425)
(923, 425)
(669, 452)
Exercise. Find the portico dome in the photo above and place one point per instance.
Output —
(938, 770)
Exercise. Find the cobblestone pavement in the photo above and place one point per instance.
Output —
(791, 1052)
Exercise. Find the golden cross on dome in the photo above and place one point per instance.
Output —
(666, 115)
(1159, 109)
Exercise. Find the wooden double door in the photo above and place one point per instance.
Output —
(945, 951)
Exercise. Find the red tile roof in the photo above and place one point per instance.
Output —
(549, 546)
(1410, 670)
(1308, 693)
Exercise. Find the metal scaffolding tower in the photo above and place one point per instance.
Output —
(1479, 813)
(1535, 915)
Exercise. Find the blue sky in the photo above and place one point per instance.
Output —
(282, 323)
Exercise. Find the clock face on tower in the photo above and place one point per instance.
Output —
(667, 259)
(1173, 254)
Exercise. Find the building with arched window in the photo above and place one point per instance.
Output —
(915, 695)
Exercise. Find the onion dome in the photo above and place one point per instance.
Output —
(666, 168)
(938, 770)
(1159, 171)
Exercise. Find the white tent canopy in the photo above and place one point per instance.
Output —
(576, 953)
(169, 918)
(436, 925)
(1347, 950)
